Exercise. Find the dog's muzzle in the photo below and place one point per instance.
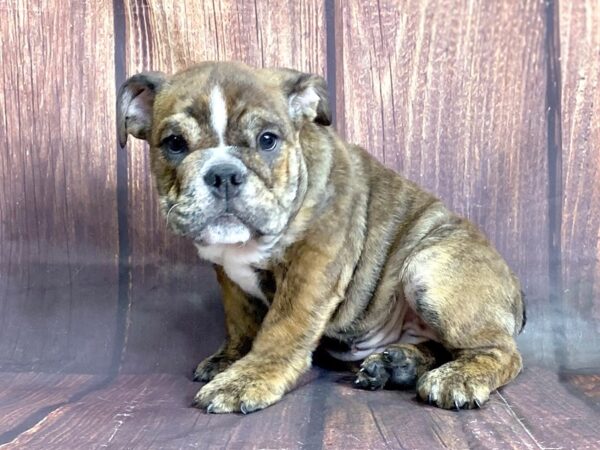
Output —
(225, 181)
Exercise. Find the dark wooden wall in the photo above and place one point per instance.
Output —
(494, 106)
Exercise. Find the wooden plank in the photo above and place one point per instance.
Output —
(168, 36)
(588, 385)
(551, 412)
(153, 411)
(24, 394)
(452, 94)
(58, 219)
(580, 69)
(395, 419)
(324, 411)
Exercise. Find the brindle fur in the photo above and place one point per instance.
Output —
(352, 238)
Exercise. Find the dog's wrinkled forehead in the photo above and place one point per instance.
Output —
(220, 100)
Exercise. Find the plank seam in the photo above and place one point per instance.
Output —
(330, 56)
(124, 256)
(554, 155)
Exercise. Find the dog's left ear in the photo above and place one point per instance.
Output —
(135, 103)
(307, 96)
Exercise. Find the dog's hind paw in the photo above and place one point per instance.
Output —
(373, 373)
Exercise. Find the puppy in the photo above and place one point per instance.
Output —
(315, 242)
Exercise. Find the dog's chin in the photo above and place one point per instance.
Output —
(226, 229)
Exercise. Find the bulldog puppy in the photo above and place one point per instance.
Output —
(314, 241)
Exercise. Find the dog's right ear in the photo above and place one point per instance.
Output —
(134, 105)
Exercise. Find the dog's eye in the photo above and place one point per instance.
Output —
(175, 144)
(267, 141)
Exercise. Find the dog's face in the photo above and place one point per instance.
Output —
(225, 145)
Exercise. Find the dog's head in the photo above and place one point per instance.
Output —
(225, 145)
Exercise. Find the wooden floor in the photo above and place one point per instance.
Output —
(539, 410)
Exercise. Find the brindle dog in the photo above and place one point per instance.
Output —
(314, 241)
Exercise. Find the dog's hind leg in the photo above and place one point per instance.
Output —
(468, 380)
(462, 289)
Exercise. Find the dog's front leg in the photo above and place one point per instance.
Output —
(283, 347)
(242, 319)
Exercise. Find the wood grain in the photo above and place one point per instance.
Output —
(58, 218)
(324, 411)
(588, 385)
(24, 394)
(153, 411)
(580, 68)
(168, 36)
(452, 94)
(387, 419)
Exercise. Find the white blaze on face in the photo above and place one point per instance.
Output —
(218, 113)
(226, 229)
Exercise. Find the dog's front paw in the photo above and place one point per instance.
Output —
(238, 389)
(212, 366)
(450, 388)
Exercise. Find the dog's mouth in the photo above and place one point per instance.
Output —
(226, 228)
(209, 222)
(218, 227)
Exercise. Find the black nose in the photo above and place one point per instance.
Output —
(225, 180)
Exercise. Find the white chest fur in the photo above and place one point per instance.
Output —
(239, 262)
